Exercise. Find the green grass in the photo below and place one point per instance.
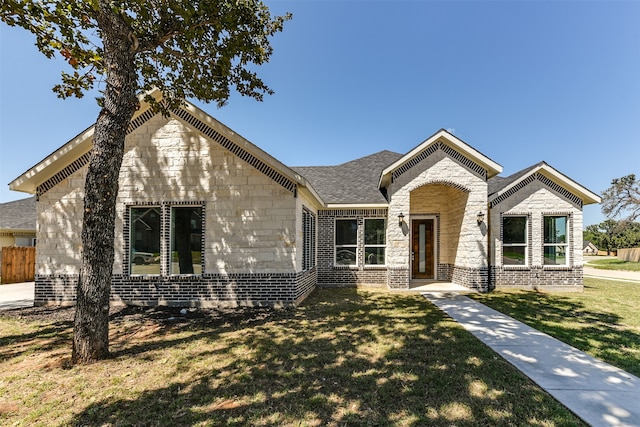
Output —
(603, 321)
(614, 264)
(345, 357)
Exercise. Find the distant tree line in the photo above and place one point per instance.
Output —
(610, 235)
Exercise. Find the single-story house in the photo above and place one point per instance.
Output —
(588, 248)
(205, 217)
(18, 223)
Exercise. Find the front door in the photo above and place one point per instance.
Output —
(423, 248)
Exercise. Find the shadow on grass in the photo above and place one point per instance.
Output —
(345, 357)
(599, 333)
(55, 333)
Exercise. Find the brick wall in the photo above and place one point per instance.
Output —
(207, 290)
(538, 278)
(330, 275)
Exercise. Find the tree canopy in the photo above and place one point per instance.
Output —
(186, 48)
(622, 199)
(611, 234)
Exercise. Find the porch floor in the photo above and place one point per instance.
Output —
(437, 286)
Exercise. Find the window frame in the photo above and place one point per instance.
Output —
(132, 236)
(374, 245)
(337, 247)
(165, 212)
(308, 240)
(526, 243)
(170, 238)
(564, 245)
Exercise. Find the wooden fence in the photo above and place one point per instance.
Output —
(630, 254)
(18, 264)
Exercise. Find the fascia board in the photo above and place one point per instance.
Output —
(65, 155)
(357, 205)
(253, 149)
(493, 168)
(54, 163)
(588, 197)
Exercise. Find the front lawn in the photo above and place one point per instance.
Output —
(614, 264)
(603, 321)
(345, 357)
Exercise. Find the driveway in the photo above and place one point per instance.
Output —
(626, 276)
(16, 295)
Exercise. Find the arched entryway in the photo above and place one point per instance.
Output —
(437, 212)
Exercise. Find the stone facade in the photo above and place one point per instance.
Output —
(538, 197)
(251, 248)
(452, 191)
(267, 236)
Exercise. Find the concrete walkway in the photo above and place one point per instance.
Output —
(600, 394)
(16, 295)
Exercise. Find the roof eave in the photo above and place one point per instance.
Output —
(45, 169)
(256, 151)
(588, 197)
(357, 205)
(492, 167)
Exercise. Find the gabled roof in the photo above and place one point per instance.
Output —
(450, 140)
(352, 183)
(73, 155)
(18, 215)
(501, 187)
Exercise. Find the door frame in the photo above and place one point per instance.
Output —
(436, 246)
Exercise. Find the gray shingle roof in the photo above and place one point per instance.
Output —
(18, 215)
(498, 183)
(352, 182)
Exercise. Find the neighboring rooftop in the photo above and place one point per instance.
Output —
(354, 182)
(18, 215)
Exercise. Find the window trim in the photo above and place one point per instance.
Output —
(131, 237)
(566, 244)
(336, 246)
(365, 245)
(165, 211)
(526, 244)
(308, 240)
(170, 208)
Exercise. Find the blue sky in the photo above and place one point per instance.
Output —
(521, 81)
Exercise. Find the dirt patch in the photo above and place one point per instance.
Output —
(161, 314)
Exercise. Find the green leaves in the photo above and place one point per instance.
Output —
(622, 198)
(187, 48)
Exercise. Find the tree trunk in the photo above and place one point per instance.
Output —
(91, 323)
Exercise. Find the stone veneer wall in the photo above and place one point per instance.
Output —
(330, 275)
(535, 198)
(443, 183)
(250, 227)
(207, 290)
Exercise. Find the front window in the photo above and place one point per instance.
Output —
(165, 239)
(374, 241)
(145, 240)
(346, 241)
(186, 240)
(514, 240)
(308, 240)
(555, 240)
